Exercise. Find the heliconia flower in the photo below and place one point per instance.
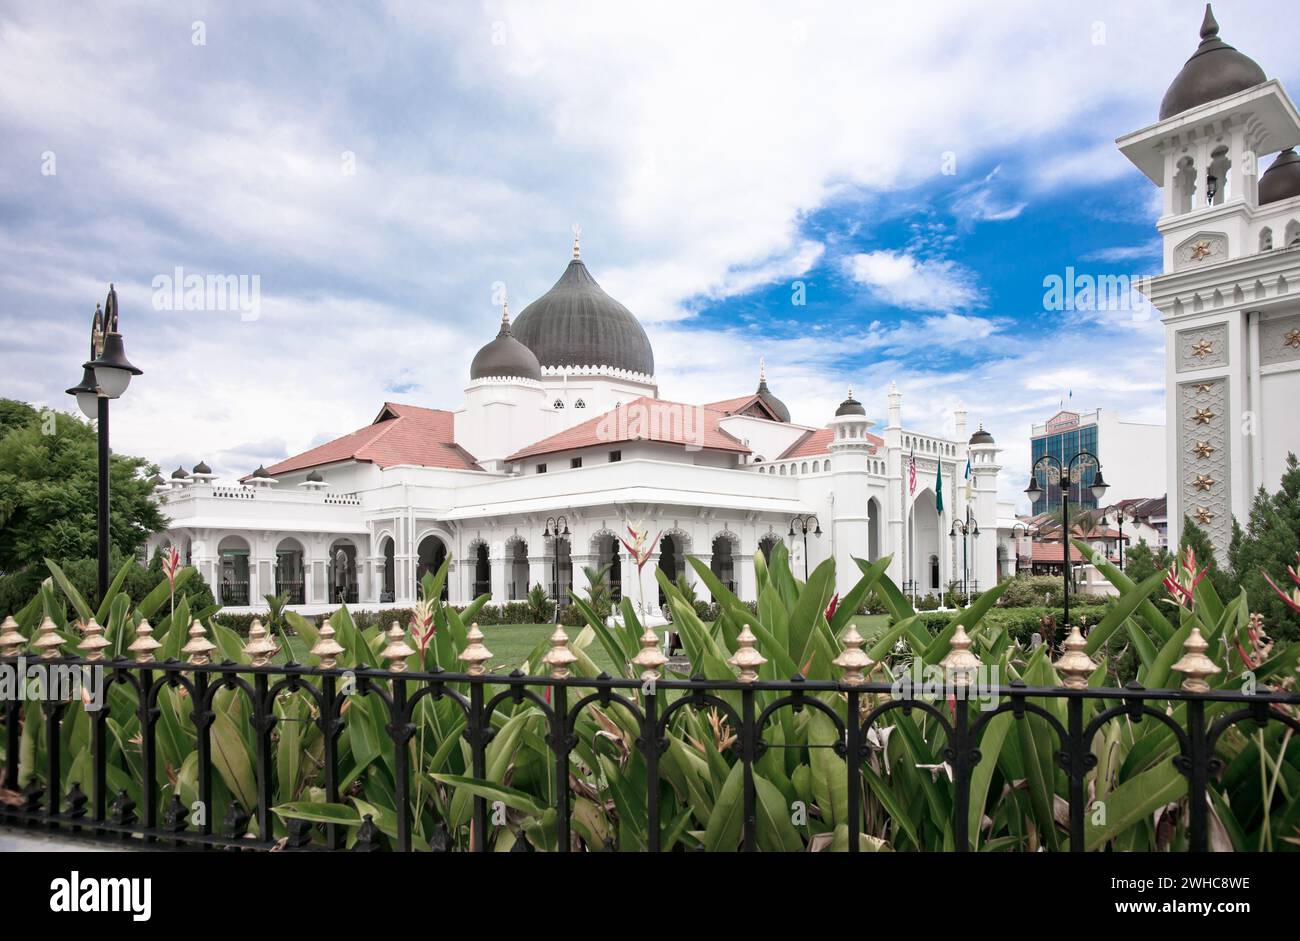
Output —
(637, 546)
(1292, 600)
(422, 623)
(1183, 577)
(171, 564)
(833, 606)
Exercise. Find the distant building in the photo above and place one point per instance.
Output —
(1132, 456)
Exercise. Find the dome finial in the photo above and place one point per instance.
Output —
(505, 312)
(762, 369)
(1209, 25)
(577, 233)
(850, 395)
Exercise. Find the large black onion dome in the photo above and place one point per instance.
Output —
(506, 357)
(981, 437)
(179, 474)
(576, 323)
(261, 472)
(202, 468)
(314, 477)
(1282, 179)
(850, 406)
(1214, 71)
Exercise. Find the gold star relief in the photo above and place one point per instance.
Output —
(1203, 387)
(1202, 349)
(1203, 515)
(1203, 482)
(1203, 416)
(1203, 449)
(1292, 339)
(1200, 250)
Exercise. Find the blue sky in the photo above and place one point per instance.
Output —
(384, 168)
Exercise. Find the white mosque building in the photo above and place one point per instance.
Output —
(562, 442)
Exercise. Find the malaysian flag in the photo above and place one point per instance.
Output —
(911, 474)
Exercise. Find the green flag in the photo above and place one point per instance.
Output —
(938, 488)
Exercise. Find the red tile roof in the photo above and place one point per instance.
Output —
(642, 419)
(1052, 552)
(818, 442)
(400, 434)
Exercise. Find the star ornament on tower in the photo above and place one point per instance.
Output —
(1203, 416)
(1203, 515)
(1200, 250)
(1202, 349)
(1292, 339)
(1203, 449)
(1203, 482)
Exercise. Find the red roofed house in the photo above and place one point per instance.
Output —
(563, 431)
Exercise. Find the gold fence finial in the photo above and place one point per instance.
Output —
(47, 641)
(853, 660)
(397, 650)
(1075, 666)
(260, 648)
(198, 648)
(559, 657)
(326, 647)
(475, 655)
(960, 663)
(11, 639)
(144, 644)
(649, 658)
(1195, 666)
(93, 640)
(747, 659)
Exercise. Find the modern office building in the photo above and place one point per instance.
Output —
(1132, 456)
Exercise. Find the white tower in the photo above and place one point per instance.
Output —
(1229, 295)
(983, 454)
(850, 478)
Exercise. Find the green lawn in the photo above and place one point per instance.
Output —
(511, 644)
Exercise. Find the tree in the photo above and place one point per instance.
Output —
(48, 496)
(1141, 562)
(1268, 544)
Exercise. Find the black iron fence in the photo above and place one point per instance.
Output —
(111, 816)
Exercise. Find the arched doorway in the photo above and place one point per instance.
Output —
(517, 553)
(723, 564)
(672, 561)
(232, 571)
(433, 553)
(482, 571)
(289, 580)
(604, 546)
(388, 592)
(873, 529)
(342, 563)
(767, 544)
(923, 530)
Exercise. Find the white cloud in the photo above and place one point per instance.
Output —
(915, 283)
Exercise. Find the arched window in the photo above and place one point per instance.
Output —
(817, 466)
(782, 470)
(1292, 233)
(1184, 184)
(803, 469)
(1216, 181)
(1266, 239)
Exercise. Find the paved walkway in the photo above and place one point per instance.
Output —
(30, 841)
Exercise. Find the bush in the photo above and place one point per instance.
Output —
(1029, 591)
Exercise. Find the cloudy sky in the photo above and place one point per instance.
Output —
(910, 172)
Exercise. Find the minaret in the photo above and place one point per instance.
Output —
(850, 477)
(1227, 295)
(983, 454)
(896, 495)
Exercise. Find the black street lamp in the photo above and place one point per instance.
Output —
(104, 376)
(1065, 475)
(553, 525)
(1015, 543)
(966, 529)
(803, 522)
(1119, 515)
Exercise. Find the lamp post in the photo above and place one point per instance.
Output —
(802, 523)
(966, 529)
(1119, 515)
(1015, 543)
(1065, 475)
(104, 376)
(553, 525)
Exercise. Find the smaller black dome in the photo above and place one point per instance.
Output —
(776, 405)
(315, 477)
(1282, 179)
(261, 471)
(850, 406)
(179, 474)
(506, 357)
(202, 468)
(1214, 71)
(157, 480)
(981, 437)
